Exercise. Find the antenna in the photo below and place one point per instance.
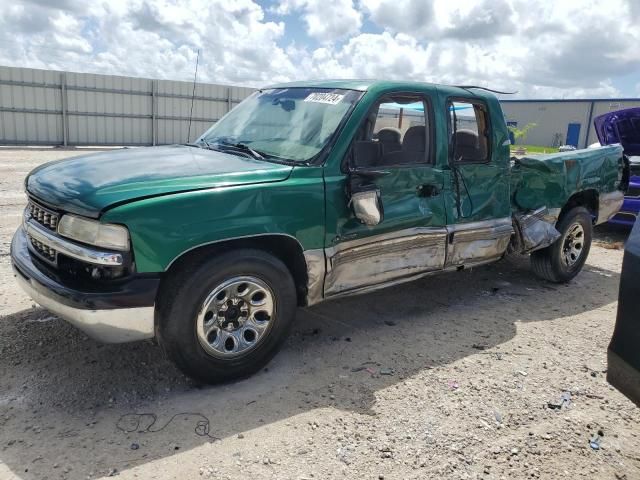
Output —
(487, 89)
(193, 95)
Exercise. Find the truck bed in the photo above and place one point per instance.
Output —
(551, 180)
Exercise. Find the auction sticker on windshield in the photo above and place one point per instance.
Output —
(319, 97)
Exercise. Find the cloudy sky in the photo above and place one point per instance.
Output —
(542, 48)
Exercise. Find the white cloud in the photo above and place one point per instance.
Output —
(540, 48)
(370, 56)
(154, 38)
(476, 20)
(437, 19)
(326, 21)
(414, 17)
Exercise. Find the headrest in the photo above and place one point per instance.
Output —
(414, 139)
(389, 135)
(467, 138)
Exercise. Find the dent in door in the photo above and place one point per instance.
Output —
(478, 242)
(381, 258)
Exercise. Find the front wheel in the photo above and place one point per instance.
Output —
(225, 317)
(564, 259)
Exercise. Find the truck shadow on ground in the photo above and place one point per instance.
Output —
(68, 400)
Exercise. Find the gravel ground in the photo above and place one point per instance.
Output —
(445, 377)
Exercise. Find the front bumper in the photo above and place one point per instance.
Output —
(121, 313)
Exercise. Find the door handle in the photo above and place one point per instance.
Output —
(427, 190)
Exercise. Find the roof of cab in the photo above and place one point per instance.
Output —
(365, 85)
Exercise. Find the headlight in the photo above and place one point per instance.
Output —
(83, 230)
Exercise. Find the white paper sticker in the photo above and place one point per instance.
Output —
(319, 97)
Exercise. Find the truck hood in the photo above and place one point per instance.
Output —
(621, 127)
(89, 184)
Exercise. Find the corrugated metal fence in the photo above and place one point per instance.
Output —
(45, 107)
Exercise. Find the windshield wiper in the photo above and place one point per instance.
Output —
(202, 143)
(245, 148)
(225, 143)
(199, 144)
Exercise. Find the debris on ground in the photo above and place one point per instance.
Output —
(610, 245)
(563, 402)
(498, 416)
(386, 452)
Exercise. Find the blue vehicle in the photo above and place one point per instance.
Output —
(631, 205)
(623, 127)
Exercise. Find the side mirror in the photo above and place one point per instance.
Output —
(367, 206)
(364, 195)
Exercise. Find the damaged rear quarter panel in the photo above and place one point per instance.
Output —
(550, 180)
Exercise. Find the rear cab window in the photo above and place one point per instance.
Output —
(469, 131)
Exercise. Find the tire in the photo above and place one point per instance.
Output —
(559, 263)
(229, 296)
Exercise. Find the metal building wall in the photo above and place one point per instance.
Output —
(554, 116)
(551, 119)
(44, 107)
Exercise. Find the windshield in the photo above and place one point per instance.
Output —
(284, 123)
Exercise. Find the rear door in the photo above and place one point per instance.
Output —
(478, 203)
(411, 238)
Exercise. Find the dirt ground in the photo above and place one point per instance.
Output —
(445, 377)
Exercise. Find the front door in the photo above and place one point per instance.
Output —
(411, 238)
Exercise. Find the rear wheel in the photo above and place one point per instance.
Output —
(225, 317)
(564, 259)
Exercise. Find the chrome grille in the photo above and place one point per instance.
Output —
(43, 216)
(46, 251)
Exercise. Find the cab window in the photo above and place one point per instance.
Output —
(469, 130)
(398, 128)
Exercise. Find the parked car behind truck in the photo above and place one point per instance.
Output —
(623, 127)
(303, 193)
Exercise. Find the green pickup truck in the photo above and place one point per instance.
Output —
(302, 193)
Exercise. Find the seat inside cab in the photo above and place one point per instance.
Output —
(398, 126)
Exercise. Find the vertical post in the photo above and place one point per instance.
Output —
(586, 138)
(229, 98)
(153, 113)
(63, 100)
